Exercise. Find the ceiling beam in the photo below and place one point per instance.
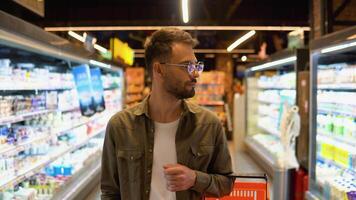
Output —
(192, 28)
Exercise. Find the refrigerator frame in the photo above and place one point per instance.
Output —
(316, 46)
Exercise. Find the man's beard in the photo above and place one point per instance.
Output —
(180, 92)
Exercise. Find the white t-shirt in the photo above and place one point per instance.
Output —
(164, 152)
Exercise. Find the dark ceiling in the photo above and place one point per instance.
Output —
(168, 13)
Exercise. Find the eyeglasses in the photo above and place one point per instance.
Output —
(191, 67)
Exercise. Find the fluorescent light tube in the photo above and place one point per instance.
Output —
(338, 47)
(76, 36)
(274, 63)
(100, 48)
(100, 64)
(241, 40)
(185, 11)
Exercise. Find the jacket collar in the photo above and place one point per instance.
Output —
(142, 108)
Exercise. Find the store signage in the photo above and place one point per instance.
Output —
(83, 84)
(98, 91)
(121, 51)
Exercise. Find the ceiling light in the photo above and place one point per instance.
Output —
(338, 47)
(241, 40)
(100, 64)
(100, 48)
(187, 28)
(185, 11)
(76, 36)
(274, 63)
(243, 58)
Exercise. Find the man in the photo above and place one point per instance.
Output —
(166, 148)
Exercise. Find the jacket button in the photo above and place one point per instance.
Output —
(198, 154)
(131, 157)
(148, 171)
(147, 191)
(150, 150)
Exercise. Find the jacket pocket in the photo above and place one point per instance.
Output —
(129, 162)
(201, 156)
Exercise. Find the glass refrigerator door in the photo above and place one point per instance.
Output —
(333, 170)
(267, 94)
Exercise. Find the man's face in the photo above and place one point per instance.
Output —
(176, 79)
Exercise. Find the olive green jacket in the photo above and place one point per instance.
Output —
(128, 154)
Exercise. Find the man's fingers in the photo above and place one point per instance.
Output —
(173, 171)
(174, 177)
(169, 166)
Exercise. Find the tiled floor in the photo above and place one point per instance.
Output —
(242, 163)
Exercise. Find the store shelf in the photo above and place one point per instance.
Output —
(47, 136)
(260, 153)
(349, 141)
(112, 88)
(27, 86)
(38, 166)
(211, 103)
(268, 102)
(336, 111)
(69, 109)
(270, 130)
(274, 88)
(333, 163)
(22, 117)
(81, 180)
(338, 86)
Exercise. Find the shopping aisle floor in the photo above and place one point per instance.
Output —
(241, 163)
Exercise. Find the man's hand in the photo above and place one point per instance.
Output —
(179, 177)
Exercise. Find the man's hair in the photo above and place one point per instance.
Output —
(159, 45)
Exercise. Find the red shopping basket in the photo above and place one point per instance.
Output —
(247, 187)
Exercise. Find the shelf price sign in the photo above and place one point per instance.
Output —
(121, 51)
(84, 87)
(97, 85)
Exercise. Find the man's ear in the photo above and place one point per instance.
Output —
(157, 69)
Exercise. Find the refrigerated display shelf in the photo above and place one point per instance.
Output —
(349, 141)
(272, 115)
(80, 180)
(333, 163)
(22, 117)
(268, 102)
(38, 166)
(69, 109)
(112, 88)
(338, 86)
(47, 136)
(336, 112)
(274, 88)
(26, 86)
(269, 130)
